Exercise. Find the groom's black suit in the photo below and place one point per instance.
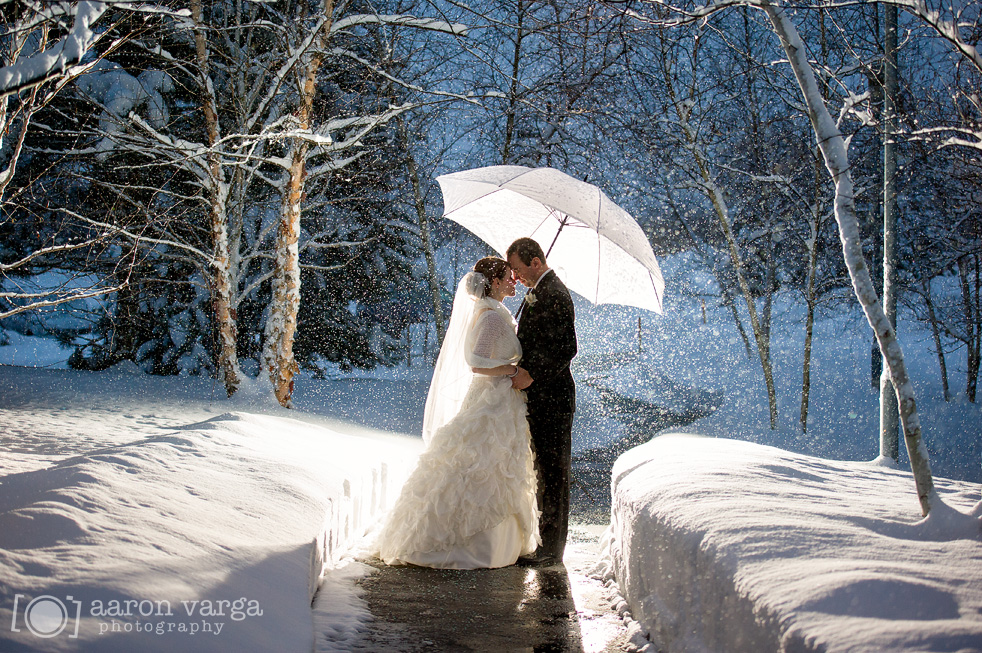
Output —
(548, 338)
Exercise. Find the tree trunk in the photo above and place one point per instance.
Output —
(973, 330)
(281, 324)
(807, 357)
(763, 348)
(977, 321)
(833, 148)
(424, 232)
(770, 284)
(936, 334)
(220, 281)
(889, 416)
(810, 298)
(722, 213)
(728, 300)
(513, 90)
(7, 119)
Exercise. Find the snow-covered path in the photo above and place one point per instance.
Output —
(142, 513)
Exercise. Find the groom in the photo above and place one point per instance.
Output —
(545, 329)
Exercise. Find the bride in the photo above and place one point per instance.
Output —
(470, 502)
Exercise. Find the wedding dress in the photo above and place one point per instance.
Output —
(470, 502)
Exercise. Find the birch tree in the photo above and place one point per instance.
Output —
(834, 151)
(215, 183)
(836, 157)
(258, 150)
(281, 324)
(307, 143)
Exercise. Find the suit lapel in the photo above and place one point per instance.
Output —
(525, 300)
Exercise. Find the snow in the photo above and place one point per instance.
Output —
(725, 545)
(134, 502)
(119, 485)
(61, 55)
(28, 351)
(121, 93)
(411, 21)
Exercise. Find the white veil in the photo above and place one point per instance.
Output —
(452, 374)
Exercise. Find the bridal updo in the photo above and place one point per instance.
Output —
(491, 267)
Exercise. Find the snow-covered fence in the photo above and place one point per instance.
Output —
(365, 484)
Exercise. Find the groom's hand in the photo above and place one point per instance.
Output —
(521, 380)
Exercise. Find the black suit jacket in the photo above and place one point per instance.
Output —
(548, 338)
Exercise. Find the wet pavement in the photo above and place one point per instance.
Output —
(552, 609)
(558, 608)
(490, 610)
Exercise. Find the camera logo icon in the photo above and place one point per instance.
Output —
(47, 616)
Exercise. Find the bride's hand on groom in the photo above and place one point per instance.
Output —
(521, 380)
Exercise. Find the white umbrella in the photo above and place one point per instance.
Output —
(603, 253)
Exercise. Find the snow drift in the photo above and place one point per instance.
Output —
(722, 545)
(209, 537)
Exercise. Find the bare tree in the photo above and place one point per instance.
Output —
(671, 76)
(308, 143)
(889, 418)
(834, 151)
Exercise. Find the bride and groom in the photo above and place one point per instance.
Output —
(491, 487)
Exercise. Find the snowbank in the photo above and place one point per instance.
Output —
(722, 545)
(211, 537)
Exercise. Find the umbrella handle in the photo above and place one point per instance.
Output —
(562, 223)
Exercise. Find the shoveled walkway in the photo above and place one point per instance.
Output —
(556, 608)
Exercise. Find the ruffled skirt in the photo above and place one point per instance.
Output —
(470, 502)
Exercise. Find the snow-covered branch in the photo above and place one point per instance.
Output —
(284, 70)
(54, 61)
(949, 29)
(190, 149)
(143, 238)
(675, 16)
(252, 285)
(333, 165)
(849, 105)
(328, 268)
(362, 124)
(66, 297)
(403, 20)
(338, 244)
(956, 136)
(47, 251)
